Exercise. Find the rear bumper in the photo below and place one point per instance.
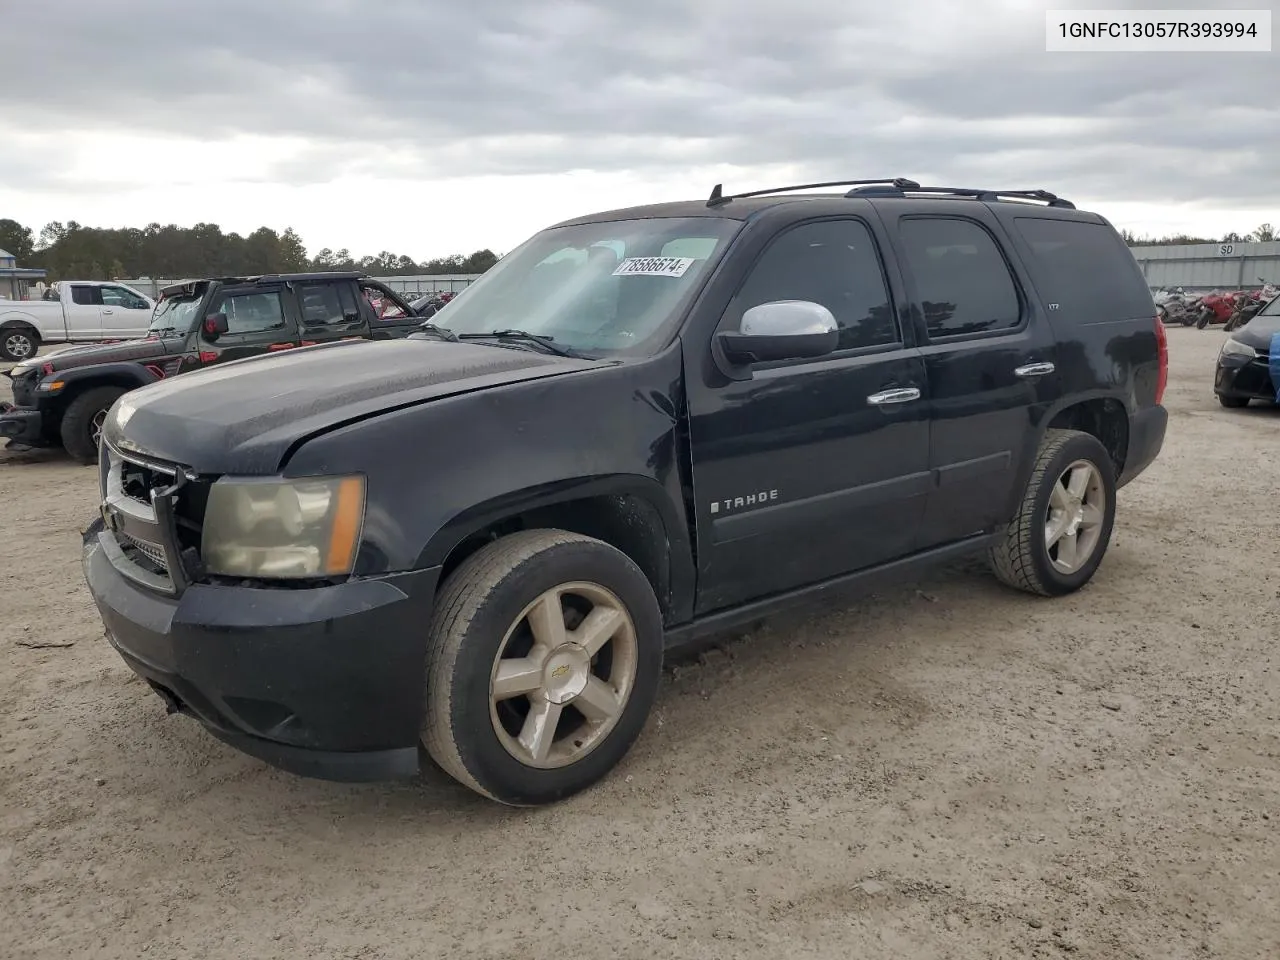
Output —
(1146, 439)
(324, 683)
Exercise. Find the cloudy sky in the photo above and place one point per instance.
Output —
(429, 127)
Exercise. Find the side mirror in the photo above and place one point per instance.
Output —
(215, 325)
(781, 330)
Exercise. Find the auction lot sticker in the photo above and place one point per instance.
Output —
(653, 267)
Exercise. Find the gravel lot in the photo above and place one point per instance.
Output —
(950, 770)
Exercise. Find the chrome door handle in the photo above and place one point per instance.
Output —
(1034, 370)
(901, 395)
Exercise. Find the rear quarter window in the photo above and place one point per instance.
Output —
(1086, 269)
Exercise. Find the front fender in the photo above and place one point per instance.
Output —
(130, 374)
(440, 471)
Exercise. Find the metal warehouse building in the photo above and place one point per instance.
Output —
(1202, 267)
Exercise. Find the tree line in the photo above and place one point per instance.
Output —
(72, 251)
(1262, 233)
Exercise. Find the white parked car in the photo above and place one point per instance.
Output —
(73, 311)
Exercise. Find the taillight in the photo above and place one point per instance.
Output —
(1162, 345)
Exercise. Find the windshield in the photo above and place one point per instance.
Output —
(1272, 309)
(599, 289)
(176, 314)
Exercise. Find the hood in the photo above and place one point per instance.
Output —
(1258, 332)
(245, 416)
(120, 351)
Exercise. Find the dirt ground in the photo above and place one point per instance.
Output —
(950, 770)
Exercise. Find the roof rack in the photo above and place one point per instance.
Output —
(897, 187)
(986, 196)
(718, 196)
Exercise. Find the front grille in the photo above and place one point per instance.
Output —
(137, 481)
(152, 511)
(24, 390)
(154, 552)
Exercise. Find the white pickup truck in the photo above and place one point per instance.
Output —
(72, 311)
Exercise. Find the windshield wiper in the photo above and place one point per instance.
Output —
(162, 330)
(442, 332)
(546, 343)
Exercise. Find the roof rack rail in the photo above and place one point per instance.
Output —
(989, 196)
(719, 197)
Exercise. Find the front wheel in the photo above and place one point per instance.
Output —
(18, 343)
(544, 655)
(1233, 403)
(1055, 543)
(83, 419)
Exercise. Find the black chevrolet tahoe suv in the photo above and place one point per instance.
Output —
(640, 429)
(62, 399)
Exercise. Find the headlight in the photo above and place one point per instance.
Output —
(1234, 348)
(283, 528)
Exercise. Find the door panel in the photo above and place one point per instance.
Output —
(260, 320)
(989, 358)
(798, 475)
(124, 314)
(798, 478)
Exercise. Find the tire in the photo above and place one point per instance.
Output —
(18, 343)
(1202, 320)
(81, 422)
(480, 615)
(1233, 403)
(1023, 558)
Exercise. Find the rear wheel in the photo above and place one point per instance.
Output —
(83, 419)
(1061, 532)
(544, 656)
(1233, 403)
(18, 343)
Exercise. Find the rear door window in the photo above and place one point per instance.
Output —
(1085, 269)
(86, 296)
(328, 310)
(961, 277)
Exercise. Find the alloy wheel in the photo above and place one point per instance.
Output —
(563, 675)
(1077, 509)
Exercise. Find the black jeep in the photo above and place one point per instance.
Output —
(639, 429)
(63, 398)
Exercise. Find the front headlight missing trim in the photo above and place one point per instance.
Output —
(283, 529)
(1234, 348)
